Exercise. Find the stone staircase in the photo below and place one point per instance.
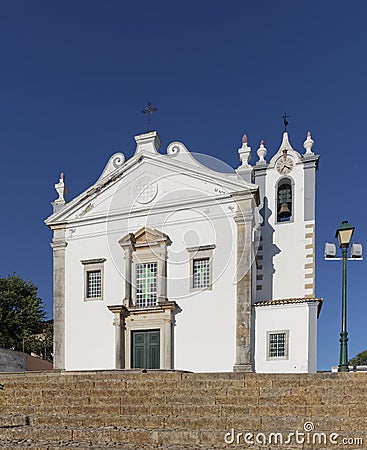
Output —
(178, 410)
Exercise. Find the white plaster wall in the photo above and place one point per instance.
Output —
(205, 329)
(205, 333)
(297, 319)
(89, 334)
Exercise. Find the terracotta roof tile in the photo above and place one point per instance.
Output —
(288, 301)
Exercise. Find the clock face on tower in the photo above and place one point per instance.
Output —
(284, 165)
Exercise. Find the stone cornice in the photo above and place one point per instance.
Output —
(163, 305)
(119, 309)
(93, 261)
(58, 226)
(310, 161)
(260, 169)
(186, 203)
(201, 248)
(246, 195)
(58, 245)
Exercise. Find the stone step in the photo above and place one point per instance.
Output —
(275, 399)
(270, 414)
(179, 389)
(167, 376)
(188, 438)
(181, 422)
(66, 382)
(338, 400)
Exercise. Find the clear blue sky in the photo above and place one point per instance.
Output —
(75, 76)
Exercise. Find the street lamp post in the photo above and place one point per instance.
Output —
(344, 235)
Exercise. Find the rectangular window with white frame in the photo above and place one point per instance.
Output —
(146, 284)
(93, 278)
(201, 267)
(277, 344)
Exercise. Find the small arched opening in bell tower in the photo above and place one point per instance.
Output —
(284, 200)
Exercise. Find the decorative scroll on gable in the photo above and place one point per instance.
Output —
(115, 162)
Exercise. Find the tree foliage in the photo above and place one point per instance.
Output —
(21, 314)
(360, 359)
(42, 343)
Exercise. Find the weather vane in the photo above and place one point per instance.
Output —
(285, 121)
(148, 111)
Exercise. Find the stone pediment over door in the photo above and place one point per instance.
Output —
(145, 237)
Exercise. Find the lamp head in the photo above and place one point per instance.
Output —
(356, 251)
(344, 234)
(330, 250)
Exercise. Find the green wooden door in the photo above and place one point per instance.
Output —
(145, 349)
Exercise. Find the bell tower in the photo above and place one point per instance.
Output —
(283, 293)
(286, 256)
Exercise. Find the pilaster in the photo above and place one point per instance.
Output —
(59, 245)
(245, 173)
(162, 273)
(244, 225)
(310, 163)
(260, 171)
(127, 244)
(170, 310)
(120, 313)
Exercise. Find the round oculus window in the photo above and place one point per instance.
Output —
(146, 190)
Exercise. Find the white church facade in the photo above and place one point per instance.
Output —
(165, 263)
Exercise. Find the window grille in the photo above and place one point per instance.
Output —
(146, 284)
(94, 284)
(201, 273)
(277, 345)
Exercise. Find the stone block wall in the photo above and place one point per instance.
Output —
(177, 410)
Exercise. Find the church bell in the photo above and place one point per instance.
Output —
(284, 211)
